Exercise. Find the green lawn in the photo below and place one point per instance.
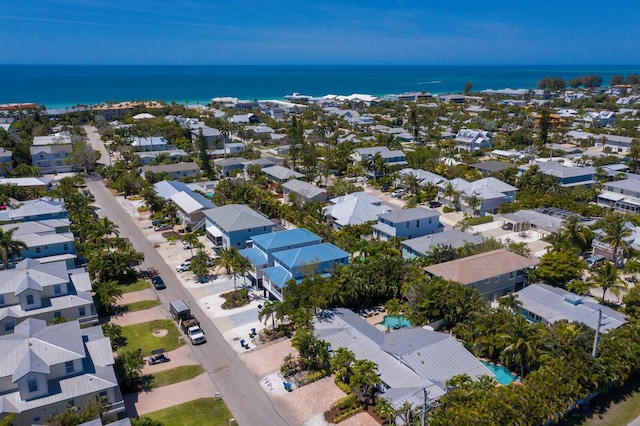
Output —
(139, 306)
(618, 408)
(206, 411)
(141, 336)
(137, 286)
(175, 375)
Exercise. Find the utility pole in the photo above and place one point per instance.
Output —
(424, 406)
(594, 352)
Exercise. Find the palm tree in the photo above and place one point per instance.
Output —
(107, 294)
(192, 239)
(364, 379)
(242, 265)
(341, 363)
(615, 234)
(450, 191)
(412, 183)
(510, 302)
(274, 309)
(227, 261)
(575, 232)
(9, 246)
(606, 277)
(474, 201)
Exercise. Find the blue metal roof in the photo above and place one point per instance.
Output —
(278, 276)
(310, 255)
(255, 256)
(275, 241)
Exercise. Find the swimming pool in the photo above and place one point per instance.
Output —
(391, 321)
(503, 375)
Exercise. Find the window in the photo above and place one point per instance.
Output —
(82, 311)
(512, 275)
(57, 314)
(9, 326)
(29, 299)
(1, 299)
(38, 250)
(486, 281)
(68, 366)
(249, 230)
(33, 385)
(57, 289)
(407, 224)
(65, 246)
(496, 279)
(418, 223)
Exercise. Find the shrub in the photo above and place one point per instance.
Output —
(447, 209)
(316, 375)
(346, 402)
(342, 385)
(349, 413)
(479, 220)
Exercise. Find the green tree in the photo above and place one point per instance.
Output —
(607, 278)
(616, 233)
(364, 379)
(83, 157)
(558, 268)
(468, 86)
(227, 260)
(114, 333)
(203, 155)
(128, 367)
(274, 309)
(9, 246)
(200, 264)
(341, 363)
(191, 238)
(393, 308)
(107, 294)
(145, 421)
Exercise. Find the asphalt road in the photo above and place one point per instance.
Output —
(239, 389)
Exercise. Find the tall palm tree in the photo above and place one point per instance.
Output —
(450, 192)
(107, 294)
(9, 246)
(606, 277)
(412, 183)
(474, 201)
(615, 234)
(192, 239)
(274, 309)
(228, 261)
(575, 232)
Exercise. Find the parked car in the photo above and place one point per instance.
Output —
(184, 266)
(164, 227)
(398, 193)
(434, 204)
(507, 226)
(158, 282)
(158, 356)
(186, 245)
(596, 260)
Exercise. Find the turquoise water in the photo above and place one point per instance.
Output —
(391, 321)
(66, 85)
(503, 375)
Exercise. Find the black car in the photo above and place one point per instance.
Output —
(158, 283)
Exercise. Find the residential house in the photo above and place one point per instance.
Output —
(547, 304)
(228, 165)
(411, 361)
(304, 192)
(46, 291)
(354, 209)
(279, 174)
(473, 140)
(46, 369)
(156, 143)
(175, 170)
(191, 207)
(622, 196)
(615, 142)
(6, 164)
(543, 221)
(494, 273)
(47, 240)
(244, 119)
(143, 116)
(407, 224)
(388, 157)
(493, 166)
(235, 148)
(259, 129)
(213, 137)
(167, 188)
(49, 153)
(424, 177)
(298, 263)
(599, 119)
(13, 133)
(33, 210)
(262, 162)
(566, 176)
(423, 246)
(489, 192)
(233, 225)
(28, 182)
(147, 157)
(260, 251)
(605, 249)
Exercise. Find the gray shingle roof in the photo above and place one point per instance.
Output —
(303, 188)
(405, 215)
(454, 238)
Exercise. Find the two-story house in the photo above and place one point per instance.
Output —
(303, 192)
(605, 249)
(191, 207)
(622, 196)
(490, 192)
(45, 369)
(47, 240)
(50, 153)
(473, 140)
(388, 157)
(46, 291)
(407, 224)
(262, 247)
(234, 224)
(298, 263)
(155, 143)
(494, 273)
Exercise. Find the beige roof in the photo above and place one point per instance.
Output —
(480, 266)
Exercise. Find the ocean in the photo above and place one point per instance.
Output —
(66, 85)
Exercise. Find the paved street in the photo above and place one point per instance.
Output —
(240, 390)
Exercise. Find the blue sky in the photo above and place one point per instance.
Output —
(289, 32)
